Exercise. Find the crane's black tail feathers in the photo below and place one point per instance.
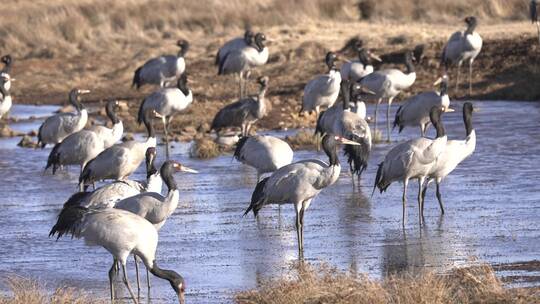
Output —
(221, 65)
(54, 159)
(216, 62)
(239, 145)
(357, 156)
(40, 138)
(137, 81)
(86, 174)
(76, 199)
(318, 127)
(69, 221)
(256, 198)
(140, 113)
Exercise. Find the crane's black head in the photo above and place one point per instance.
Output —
(344, 90)
(471, 21)
(260, 39)
(110, 109)
(149, 115)
(74, 99)
(263, 81)
(184, 47)
(352, 44)
(418, 52)
(330, 60)
(435, 117)
(150, 158)
(177, 281)
(6, 59)
(409, 61)
(467, 117)
(248, 36)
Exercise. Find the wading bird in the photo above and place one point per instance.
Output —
(415, 110)
(412, 159)
(533, 10)
(456, 151)
(387, 84)
(358, 69)
(6, 70)
(154, 207)
(463, 47)
(298, 183)
(235, 44)
(340, 120)
(108, 195)
(121, 233)
(241, 61)
(119, 161)
(168, 102)
(323, 90)
(243, 113)
(5, 96)
(110, 136)
(57, 127)
(264, 153)
(162, 69)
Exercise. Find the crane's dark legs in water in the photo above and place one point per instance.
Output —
(404, 200)
(439, 197)
(457, 76)
(126, 282)
(470, 77)
(299, 229)
(420, 201)
(388, 119)
(375, 118)
(166, 131)
(112, 272)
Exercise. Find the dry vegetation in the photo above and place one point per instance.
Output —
(98, 44)
(27, 291)
(317, 285)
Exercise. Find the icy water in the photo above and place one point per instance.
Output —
(492, 213)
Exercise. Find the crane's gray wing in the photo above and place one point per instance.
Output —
(143, 204)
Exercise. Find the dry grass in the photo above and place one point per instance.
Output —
(205, 148)
(303, 139)
(28, 291)
(313, 285)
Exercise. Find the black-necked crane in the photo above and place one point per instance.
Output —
(244, 112)
(463, 46)
(57, 127)
(340, 120)
(168, 102)
(154, 207)
(6, 70)
(163, 69)
(298, 183)
(533, 11)
(119, 161)
(265, 153)
(110, 136)
(241, 61)
(414, 112)
(412, 159)
(456, 151)
(323, 90)
(358, 69)
(5, 96)
(234, 44)
(387, 84)
(121, 233)
(108, 195)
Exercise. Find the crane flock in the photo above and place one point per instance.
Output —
(124, 216)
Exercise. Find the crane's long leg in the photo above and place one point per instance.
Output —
(423, 130)
(138, 277)
(388, 119)
(439, 197)
(126, 281)
(420, 200)
(298, 207)
(148, 281)
(457, 76)
(470, 77)
(404, 200)
(375, 119)
(538, 30)
(166, 131)
(111, 278)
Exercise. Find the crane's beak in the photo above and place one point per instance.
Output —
(438, 81)
(345, 141)
(375, 57)
(449, 110)
(367, 91)
(81, 92)
(187, 169)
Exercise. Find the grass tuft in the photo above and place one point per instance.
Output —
(303, 139)
(205, 148)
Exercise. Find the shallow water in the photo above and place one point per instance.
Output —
(491, 199)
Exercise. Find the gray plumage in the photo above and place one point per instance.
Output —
(360, 68)
(414, 112)
(121, 233)
(234, 45)
(264, 153)
(110, 136)
(57, 127)
(243, 113)
(168, 102)
(76, 149)
(162, 69)
(463, 47)
(241, 61)
(412, 159)
(298, 183)
(119, 161)
(323, 90)
(387, 84)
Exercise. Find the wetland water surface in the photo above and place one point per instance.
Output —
(491, 199)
